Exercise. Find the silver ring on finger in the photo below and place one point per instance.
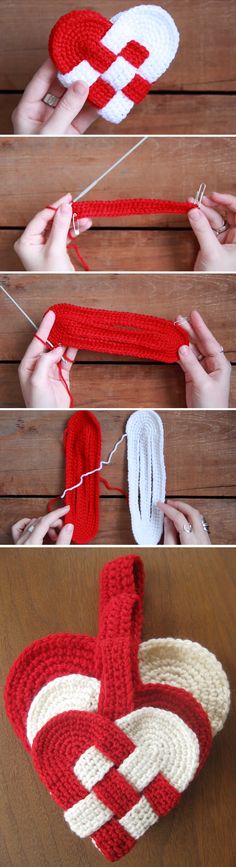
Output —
(187, 528)
(223, 228)
(205, 525)
(50, 99)
(30, 529)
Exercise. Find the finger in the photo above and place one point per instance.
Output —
(81, 226)
(36, 348)
(207, 343)
(86, 117)
(66, 110)
(170, 533)
(188, 511)
(41, 220)
(191, 367)
(173, 514)
(60, 228)
(65, 535)
(207, 240)
(70, 355)
(225, 199)
(45, 522)
(44, 364)
(39, 84)
(181, 320)
(18, 528)
(210, 210)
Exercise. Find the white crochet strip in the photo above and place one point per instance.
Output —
(153, 28)
(146, 475)
(72, 692)
(188, 665)
(164, 744)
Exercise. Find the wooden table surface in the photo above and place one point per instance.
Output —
(100, 380)
(200, 457)
(196, 94)
(37, 171)
(189, 594)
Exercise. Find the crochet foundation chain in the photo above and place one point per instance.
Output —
(132, 334)
(119, 58)
(146, 475)
(116, 728)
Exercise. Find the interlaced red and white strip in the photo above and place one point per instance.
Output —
(116, 729)
(119, 58)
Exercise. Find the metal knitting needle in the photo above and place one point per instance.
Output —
(107, 172)
(24, 313)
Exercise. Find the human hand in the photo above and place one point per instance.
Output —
(49, 528)
(183, 525)
(33, 117)
(217, 252)
(207, 371)
(43, 244)
(40, 381)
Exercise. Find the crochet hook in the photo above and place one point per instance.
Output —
(104, 174)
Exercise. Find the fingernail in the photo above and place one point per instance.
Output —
(85, 221)
(69, 528)
(80, 87)
(183, 350)
(195, 214)
(67, 508)
(65, 208)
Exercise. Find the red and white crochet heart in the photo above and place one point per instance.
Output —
(119, 58)
(117, 729)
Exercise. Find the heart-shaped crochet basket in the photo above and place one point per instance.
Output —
(117, 729)
(119, 58)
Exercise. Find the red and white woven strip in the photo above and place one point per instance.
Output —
(114, 746)
(119, 58)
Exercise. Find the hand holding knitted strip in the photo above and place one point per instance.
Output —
(131, 334)
(116, 729)
(119, 59)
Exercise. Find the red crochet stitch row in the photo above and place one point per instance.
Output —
(126, 207)
(130, 334)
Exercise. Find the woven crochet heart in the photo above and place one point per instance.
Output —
(119, 59)
(116, 729)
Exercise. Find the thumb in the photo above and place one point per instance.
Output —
(191, 367)
(204, 233)
(60, 228)
(68, 107)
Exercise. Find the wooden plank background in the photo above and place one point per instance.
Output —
(41, 594)
(100, 380)
(200, 457)
(196, 94)
(38, 171)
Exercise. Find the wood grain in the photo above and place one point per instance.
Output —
(149, 243)
(200, 457)
(98, 379)
(196, 94)
(160, 114)
(43, 592)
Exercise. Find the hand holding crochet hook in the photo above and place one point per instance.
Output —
(206, 369)
(43, 244)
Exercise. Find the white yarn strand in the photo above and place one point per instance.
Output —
(97, 469)
(146, 475)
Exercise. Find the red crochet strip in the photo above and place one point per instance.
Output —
(126, 207)
(131, 334)
(82, 444)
